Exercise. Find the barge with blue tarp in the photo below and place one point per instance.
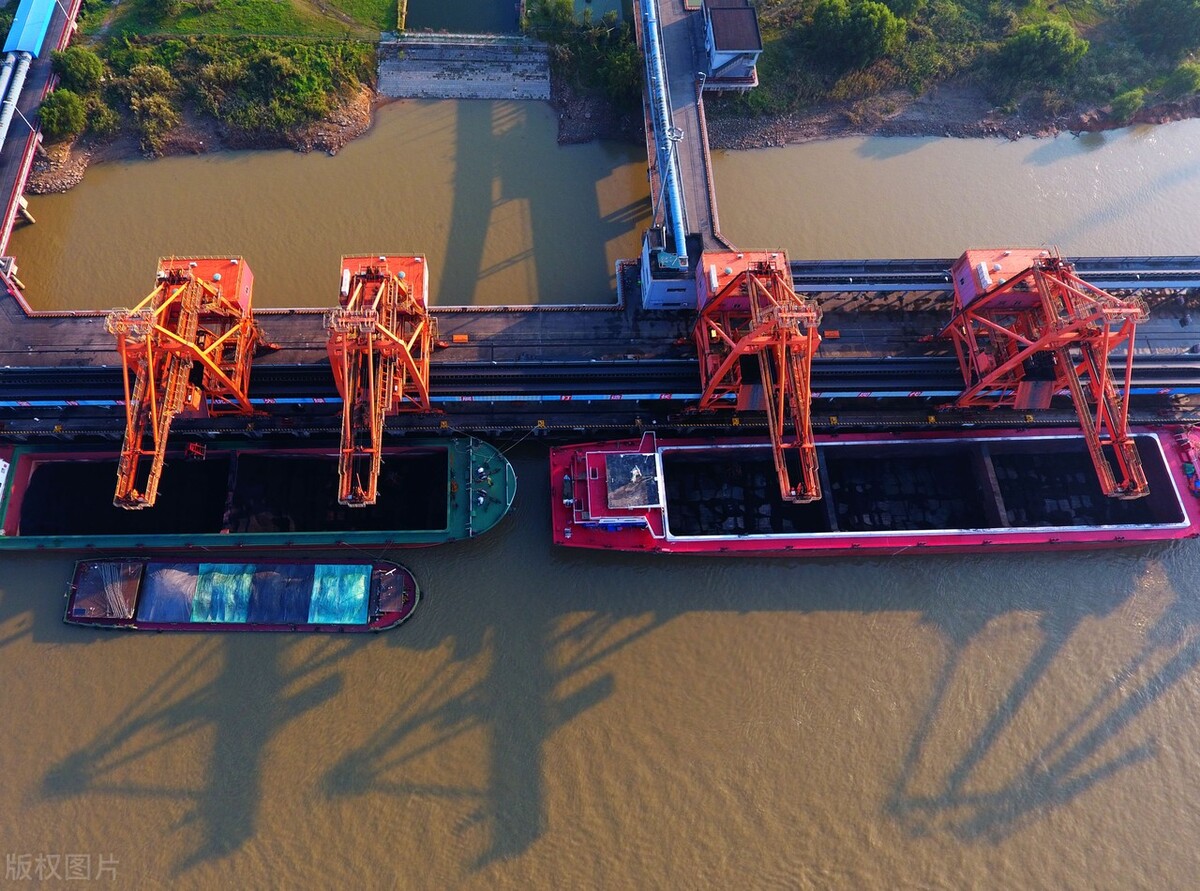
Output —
(245, 494)
(167, 595)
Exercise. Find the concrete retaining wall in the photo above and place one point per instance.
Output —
(430, 66)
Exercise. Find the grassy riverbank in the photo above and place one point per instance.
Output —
(176, 76)
(195, 75)
(242, 73)
(1010, 67)
(362, 19)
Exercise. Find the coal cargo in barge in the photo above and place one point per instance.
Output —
(883, 494)
(241, 494)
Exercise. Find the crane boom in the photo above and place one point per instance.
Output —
(756, 339)
(1026, 327)
(187, 346)
(380, 340)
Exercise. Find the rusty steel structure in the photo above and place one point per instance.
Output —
(1026, 327)
(185, 349)
(380, 340)
(756, 339)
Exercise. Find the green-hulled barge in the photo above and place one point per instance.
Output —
(250, 494)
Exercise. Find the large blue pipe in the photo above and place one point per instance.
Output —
(656, 75)
(14, 93)
(6, 74)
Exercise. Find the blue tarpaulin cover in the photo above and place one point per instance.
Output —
(339, 595)
(281, 594)
(167, 593)
(29, 27)
(269, 594)
(222, 592)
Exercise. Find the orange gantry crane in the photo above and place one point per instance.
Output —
(188, 348)
(756, 338)
(380, 339)
(1025, 327)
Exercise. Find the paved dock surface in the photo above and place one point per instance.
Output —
(682, 37)
(856, 324)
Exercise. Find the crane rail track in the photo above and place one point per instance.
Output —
(1118, 273)
(851, 376)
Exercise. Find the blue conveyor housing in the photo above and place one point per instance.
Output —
(664, 135)
(29, 27)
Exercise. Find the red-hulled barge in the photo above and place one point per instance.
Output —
(884, 494)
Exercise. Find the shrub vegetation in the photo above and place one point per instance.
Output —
(1128, 104)
(854, 33)
(591, 55)
(1183, 81)
(78, 68)
(1041, 56)
(1168, 28)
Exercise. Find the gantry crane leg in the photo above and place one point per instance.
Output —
(756, 314)
(1012, 309)
(380, 339)
(192, 318)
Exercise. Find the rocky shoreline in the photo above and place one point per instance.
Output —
(585, 118)
(956, 109)
(952, 110)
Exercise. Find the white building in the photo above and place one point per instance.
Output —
(732, 44)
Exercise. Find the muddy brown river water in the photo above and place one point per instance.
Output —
(556, 719)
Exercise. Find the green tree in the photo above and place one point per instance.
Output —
(78, 68)
(62, 115)
(1128, 104)
(1183, 81)
(550, 17)
(1167, 28)
(829, 17)
(905, 9)
(855, 33)
(1036, 52)
(623, 72)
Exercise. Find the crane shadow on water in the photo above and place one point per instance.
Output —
(246, 696)
(1064, 736)
(517, 640)
(515, 674)
(499, 186)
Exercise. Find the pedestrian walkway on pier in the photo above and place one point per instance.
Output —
(21, 143)
(682, 45)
